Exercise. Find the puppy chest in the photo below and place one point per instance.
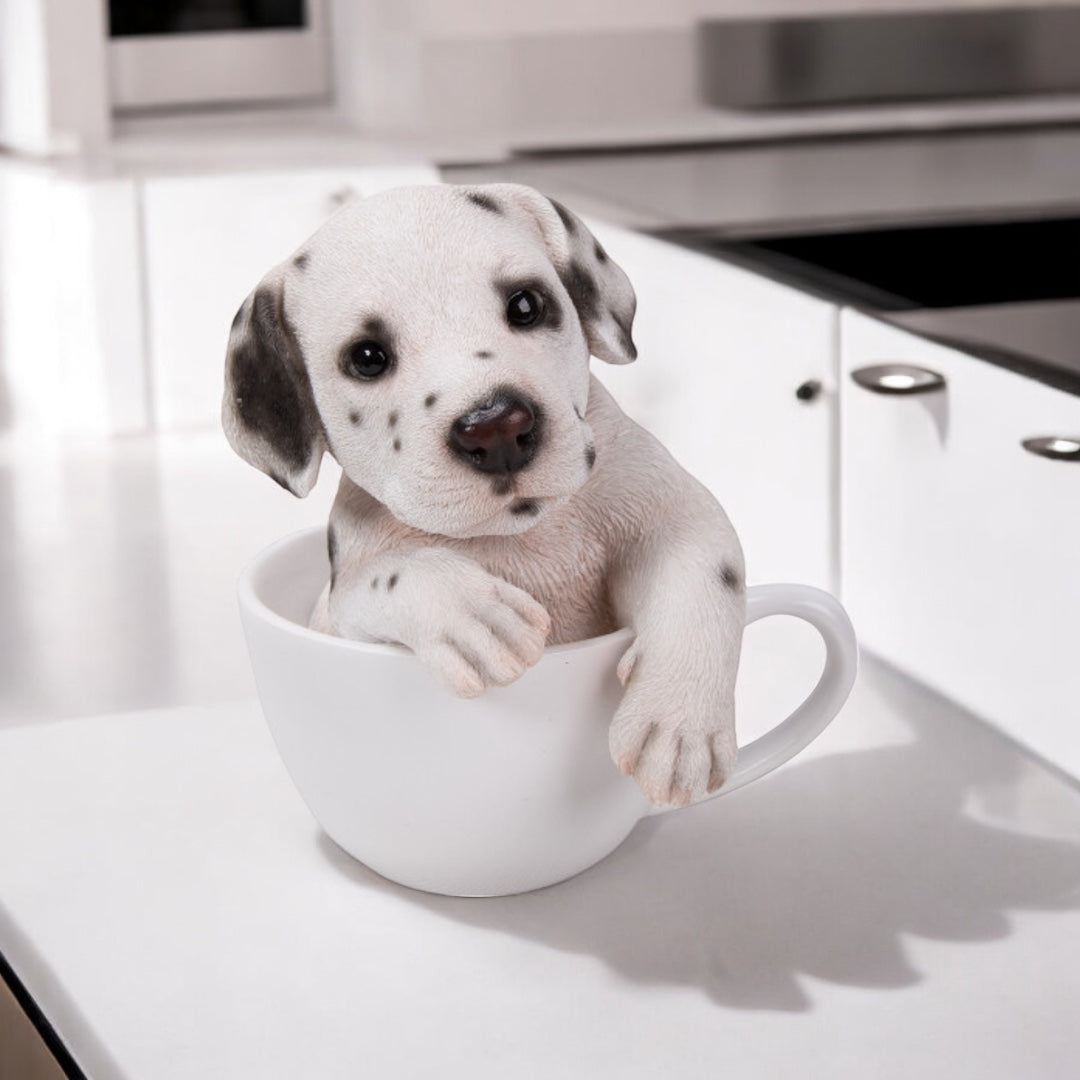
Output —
(571, 584)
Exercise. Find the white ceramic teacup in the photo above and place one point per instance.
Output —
(502, 794)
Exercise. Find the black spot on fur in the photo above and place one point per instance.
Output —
(430, 400)
(331, 551)
(483, 354)
(552, 313)
(270, 386)
(301, 261)
(485, 202)
(590, 455)
(565, 216)
(600, 253)
(525, 508)
(377, 329)
(397, 444)
(392, 419)
(581, 286)
(354, 417)
(392, 582)
(729, 577)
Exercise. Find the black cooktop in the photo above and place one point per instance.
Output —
(937, 266)
(1007, 291)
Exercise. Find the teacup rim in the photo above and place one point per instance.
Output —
(250, 601)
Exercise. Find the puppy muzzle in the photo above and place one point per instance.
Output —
(499, 437)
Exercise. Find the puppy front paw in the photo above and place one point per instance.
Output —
(486, 635)
(678, 748)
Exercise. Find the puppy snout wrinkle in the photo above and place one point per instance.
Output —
(501, 436)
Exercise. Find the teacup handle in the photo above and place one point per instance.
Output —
(810, 719)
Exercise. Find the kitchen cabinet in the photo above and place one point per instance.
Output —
(119, 289)
(71, 329)
(960, 549)
(735, 375)
(208, 240)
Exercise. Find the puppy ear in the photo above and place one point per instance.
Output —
(600, 290)
(268, 411)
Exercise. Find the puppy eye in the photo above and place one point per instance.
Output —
(366, 360)
(524, 308)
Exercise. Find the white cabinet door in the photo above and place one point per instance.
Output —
(208, 240)
(721, 353)
(71, 332)
(960, 549)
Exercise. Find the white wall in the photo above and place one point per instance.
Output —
(53, 85)
(445, 68)
(375, 52)
(496, 18)
(71, 330)
(24, 79)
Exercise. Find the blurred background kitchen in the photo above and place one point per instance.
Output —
(853, 229)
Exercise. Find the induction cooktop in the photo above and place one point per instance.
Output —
(1008, 291)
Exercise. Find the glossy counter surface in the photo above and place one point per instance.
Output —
(900, 901)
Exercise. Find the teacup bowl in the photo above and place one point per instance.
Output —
(505, 793)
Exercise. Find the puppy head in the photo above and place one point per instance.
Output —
(436, 340)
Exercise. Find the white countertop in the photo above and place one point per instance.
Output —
(757, 188)
(903, 900)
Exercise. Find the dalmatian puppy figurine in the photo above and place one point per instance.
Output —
(494, 498)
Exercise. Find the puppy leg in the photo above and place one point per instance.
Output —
(470, 629)
(681, 588)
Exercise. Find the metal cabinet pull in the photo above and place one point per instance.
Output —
(1054, 447)
(898, 379)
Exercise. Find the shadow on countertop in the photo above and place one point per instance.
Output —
(820, 870)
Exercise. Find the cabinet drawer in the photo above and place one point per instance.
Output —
(208, 240)
(960, 549)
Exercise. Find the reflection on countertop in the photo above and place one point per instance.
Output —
(118, 562)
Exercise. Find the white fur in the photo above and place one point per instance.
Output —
(426, 550)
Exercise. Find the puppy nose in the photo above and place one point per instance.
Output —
(499, 437)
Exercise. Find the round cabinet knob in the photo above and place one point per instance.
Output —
(342, 195)
(1055, 447)
(898, 379)
(809, 390)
